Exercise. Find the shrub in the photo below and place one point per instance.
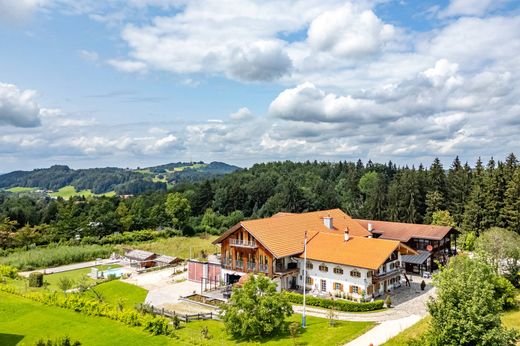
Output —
(36, 279)
(388, 301)
(65, 341)
(176, 322)
(158, 326)
(8, 271)
(340, 305)
(505, 293)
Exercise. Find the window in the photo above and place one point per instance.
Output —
(337, 286)
(309, 280)
(309, 265)
(355, 274)
(323, 285)
(355, 289)
(338, 270)
(369, 273)
(324, 268)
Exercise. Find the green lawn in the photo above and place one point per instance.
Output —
(76, 275)
(115, 292)
(23, 322)
(510, 319)
(408, 334)
(181, 246)
(17, 313)
(17, 189)
(68, 191)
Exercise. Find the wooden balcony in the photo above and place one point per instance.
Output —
(250, 244)
(386, 275)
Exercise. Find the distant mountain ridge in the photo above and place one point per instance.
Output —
(119, 180)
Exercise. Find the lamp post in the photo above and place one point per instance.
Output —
(304, 317)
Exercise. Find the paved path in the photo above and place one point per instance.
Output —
(70, 267)
(385, 331)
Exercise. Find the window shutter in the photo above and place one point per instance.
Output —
(350, 289)
(341, 287)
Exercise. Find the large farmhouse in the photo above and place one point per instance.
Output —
(341, 254)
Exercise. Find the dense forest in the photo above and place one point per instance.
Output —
(472, 198)
(121, 181)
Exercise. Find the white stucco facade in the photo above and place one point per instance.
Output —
(350, 280)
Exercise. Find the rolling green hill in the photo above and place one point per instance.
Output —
(62, 181)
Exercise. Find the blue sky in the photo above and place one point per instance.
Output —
(142, 82)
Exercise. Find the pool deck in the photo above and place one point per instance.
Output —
(70, 267)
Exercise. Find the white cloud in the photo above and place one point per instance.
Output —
(130, 66)
(16, 11)
(241, 115)
(468, 7)
(349, 32)
(89, 56)
(18, 107)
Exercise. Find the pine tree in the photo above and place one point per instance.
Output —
(475, 208)
(493, 193)
(511, 211)
(458, 182)
(437, 178)
(434, 202)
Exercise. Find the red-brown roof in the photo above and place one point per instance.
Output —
(405, 231)
(283, 235)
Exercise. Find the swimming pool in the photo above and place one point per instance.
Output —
(114, 271)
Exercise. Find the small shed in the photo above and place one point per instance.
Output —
(140, 258)
(164, 261)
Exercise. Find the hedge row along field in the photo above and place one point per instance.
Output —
(342, 305)
(155, 325)
(52, 256)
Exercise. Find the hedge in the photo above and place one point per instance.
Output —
(155, 325)
(341, 305)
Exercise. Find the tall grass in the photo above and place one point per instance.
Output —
(182, 247)
(55, 255)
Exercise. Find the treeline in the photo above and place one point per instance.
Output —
(472, 198)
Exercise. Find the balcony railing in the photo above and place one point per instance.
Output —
(227, 263)
(251, 266)
(239, 264)
(243, 243)
(385, 275)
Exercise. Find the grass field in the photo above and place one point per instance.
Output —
(52, 280)
(510, 319)
(69, 191)
(181, 247)
(18, 189)
(23, 322)
(17, 313)
(115, 292)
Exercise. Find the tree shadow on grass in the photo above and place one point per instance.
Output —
(10, 339)
(283, 335)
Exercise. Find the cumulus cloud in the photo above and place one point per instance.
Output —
(306, 102)
(468, 7)
(349, 32)
(242, 114)
(18, 107)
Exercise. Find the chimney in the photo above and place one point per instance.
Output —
(327, 221)
(370, 227)
(346, 235)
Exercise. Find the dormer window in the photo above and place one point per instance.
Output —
(338, 270)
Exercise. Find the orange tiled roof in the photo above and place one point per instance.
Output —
(358, 252)
(283, 234)
(405, 231)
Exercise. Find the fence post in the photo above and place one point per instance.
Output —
(186, 316)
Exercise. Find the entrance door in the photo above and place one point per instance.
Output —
(323, 285)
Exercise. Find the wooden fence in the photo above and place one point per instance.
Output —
(186, 317)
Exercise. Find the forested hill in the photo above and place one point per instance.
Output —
(112, 179)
